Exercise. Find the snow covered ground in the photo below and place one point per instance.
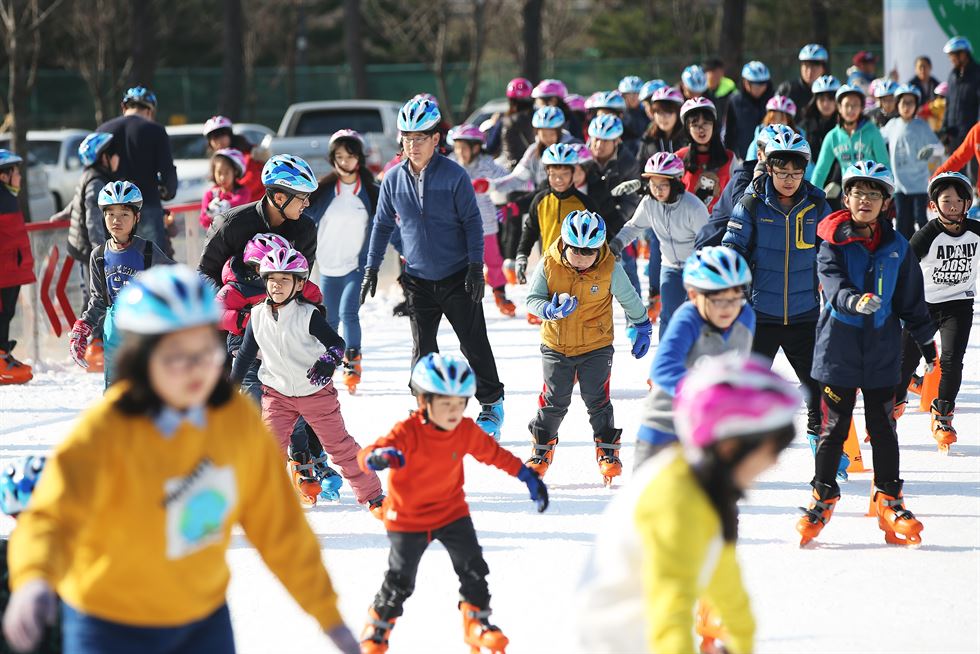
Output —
(850, 593)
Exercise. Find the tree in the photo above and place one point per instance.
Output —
(731, 38)
(20, 22)
(531, 14)
(354, 47)
(143, 28)
(233, 61)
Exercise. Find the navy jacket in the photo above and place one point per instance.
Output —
(962, 102)
(748, 113)
(781, 248)
(144, 156)
(714, 231)
(854, 350)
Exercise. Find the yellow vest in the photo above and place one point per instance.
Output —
(590, 326)
(551, 213)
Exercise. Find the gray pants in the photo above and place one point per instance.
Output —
(592, 371)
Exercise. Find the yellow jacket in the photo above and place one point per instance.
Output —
(132, 527)
(664, 527)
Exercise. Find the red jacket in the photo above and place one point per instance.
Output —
(969, 148)
(243, 288)
(691, 179)
(16, 260)
(252, 179)
(427, 492)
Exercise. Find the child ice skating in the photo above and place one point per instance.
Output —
(426, 502)
(227, 170)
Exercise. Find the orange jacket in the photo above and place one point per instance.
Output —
(970, 147)
(427, 492)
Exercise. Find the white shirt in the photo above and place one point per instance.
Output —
(341, 232)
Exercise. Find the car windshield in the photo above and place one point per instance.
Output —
(188, 146)
(328, 121)
(45, 152)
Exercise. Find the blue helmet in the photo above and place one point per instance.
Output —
(93, 146)
(559, 154)
(630, 84)
(607, 127)
(609, 100)
(548, 118)
(17, 482)
(868, 171)
(846, 89)
(785, 140)
(8, 159)
(825, 84)
(140, 95)
(694, 79)
(956, 44)
(813, 52)
(756, 72)
(651, 87)
(121, 192)
(583, 229)
(908, 89)
(765, 135)
(444, 374)
(289, 173)
(715, 268)
(165, 299)
(419, 115)
(884, 87)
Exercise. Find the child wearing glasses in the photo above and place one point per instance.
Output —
(676, 216)
(872, 287)
(572, 291)
(716, 319)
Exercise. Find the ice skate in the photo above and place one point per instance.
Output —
(942, 424)
(653, 308)
(13, 371)
(491, 418)
(814, 439)
(374, 637)
(708, 626)
(478, 633)
(330, 479)
(898, 523)
(506, 306)
(510, 271)
(301, 472)
(352, 369)
(95, 356)
(915, 384)
(818, 515)
(607, 456)
(543, 453)
(533, 319)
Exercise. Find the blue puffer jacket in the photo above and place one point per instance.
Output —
(854, 350)
(781, 247)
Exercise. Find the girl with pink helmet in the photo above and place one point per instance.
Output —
(227, 170)
(668, 540)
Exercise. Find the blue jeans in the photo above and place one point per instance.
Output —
(85, 634)
(910, 212)
(672, 294)
(150, 227)
(653, 266)
(340, 297)
(629, 266)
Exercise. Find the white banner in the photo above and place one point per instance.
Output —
(921, 27)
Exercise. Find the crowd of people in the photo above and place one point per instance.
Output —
(794, 217)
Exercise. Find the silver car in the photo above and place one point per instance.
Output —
(41, 202)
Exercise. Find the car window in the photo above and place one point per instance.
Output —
(188, 146)
(328, 121)
(45, 152)
(253, 136)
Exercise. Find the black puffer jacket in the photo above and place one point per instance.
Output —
(602, 180)
(747, 113)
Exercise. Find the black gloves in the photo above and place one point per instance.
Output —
(475, 285)
(370, 283)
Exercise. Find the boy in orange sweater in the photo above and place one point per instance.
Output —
(425, 499)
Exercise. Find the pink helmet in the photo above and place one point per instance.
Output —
(942, 89)
(667, 94)
(728, 397)
(236, 158)
(465, 132)
(427, 96)
(284, 260)
(550, 88)
(519, 88)
(699, 103)
(575, 102)
(667, 164)
(590, 102)
(583, 152)
(214, 123)
(781, 103)
(346, 134)
(261, 245)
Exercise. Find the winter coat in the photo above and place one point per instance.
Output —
(962, 102)
(243, 289)
(516, 136)
(602, 179)
(650, 145)
(904, 140)
(747, 112)
(16, 259)
(721, 213)
(781, 248)
(676, 225)
(484, 167)
(692, 179)
(100, 295)
(968, 149)
(798, 91)
(217, 201)
(546, 215)
(854, 350)
(865, 143)
(590, 326)
(145, 157)
(86, 229)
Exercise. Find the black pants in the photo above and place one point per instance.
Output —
(407, 547)
(592, 370)
(428, 302)
(797, 341)
(837, 404)
(910, 212)
(955, 320)
(8, 306)
(509, 237)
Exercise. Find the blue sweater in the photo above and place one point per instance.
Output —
(440, 234)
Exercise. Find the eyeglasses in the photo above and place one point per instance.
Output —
(866, 195)
(701, 124)
(415, 140)
(302, 197)
(583, 252)
(784, 176)
(661, 186)
(725, 303)
(185, 362)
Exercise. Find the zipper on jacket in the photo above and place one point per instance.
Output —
(786, 221)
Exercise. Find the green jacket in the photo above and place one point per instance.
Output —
(838, 145)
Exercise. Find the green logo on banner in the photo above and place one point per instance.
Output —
(958, 18)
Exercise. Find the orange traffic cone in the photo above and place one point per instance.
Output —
(872, 509)
(930, 388)
(853, 449)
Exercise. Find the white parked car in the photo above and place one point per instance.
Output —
(57, 152)
(190, 152)
(42, 202)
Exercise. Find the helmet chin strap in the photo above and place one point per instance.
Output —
(297, 289)
(272, 199)
(946, 220)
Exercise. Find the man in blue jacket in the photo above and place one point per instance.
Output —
(431, 199)
(774, 226)
(963, 97)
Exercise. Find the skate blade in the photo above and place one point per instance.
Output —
(911, 540)
(329, 496)
(608, 481)
(352, 389)
(944, 449)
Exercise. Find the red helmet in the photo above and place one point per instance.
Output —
(519, 88)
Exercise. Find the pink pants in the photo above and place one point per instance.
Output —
(494, 261)
(322, 411)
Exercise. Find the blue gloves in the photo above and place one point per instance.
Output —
(558, 310)
(386, 457)
(539, 492)
(641, 341)
(321, 371)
